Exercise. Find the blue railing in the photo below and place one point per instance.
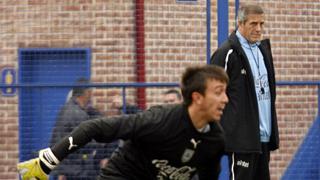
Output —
(124, 86)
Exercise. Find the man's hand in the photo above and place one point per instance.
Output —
(31, 170)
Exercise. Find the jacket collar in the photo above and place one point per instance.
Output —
(236, 43)
(244, 42)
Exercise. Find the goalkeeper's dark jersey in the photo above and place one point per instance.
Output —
(160, 143)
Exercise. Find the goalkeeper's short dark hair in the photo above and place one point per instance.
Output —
(194, 79)
(80, 90)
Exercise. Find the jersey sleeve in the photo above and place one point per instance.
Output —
(145, 125)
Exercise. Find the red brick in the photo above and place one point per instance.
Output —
(174, 32)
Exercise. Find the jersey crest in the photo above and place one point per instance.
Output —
(187, 155)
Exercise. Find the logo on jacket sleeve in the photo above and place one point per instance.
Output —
(243, 71)
(71, 145)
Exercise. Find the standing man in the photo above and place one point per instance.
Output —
(164, 142)
(83, 164)
(249, 119)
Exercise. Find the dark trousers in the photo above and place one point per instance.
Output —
(250, 166)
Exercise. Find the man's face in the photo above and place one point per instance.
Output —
(87, 96)
(171, 98)
(214, 100)
(252, 28)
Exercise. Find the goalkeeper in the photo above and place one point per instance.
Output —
(164, 142)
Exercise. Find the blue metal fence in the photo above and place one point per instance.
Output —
(124, 86)
(312, 171)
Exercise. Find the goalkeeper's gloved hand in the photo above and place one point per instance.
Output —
(31, 170)
(38, 168)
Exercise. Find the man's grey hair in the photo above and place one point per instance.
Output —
(245, 10)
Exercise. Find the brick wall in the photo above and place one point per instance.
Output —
(175, 38)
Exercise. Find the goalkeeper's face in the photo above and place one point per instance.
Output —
(214, 100)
